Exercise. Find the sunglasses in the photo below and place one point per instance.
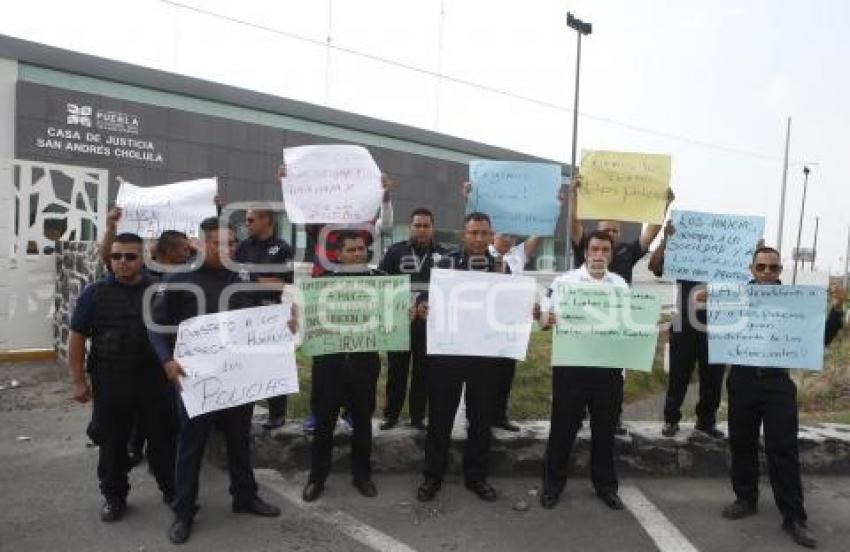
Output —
(125, 256)
(762, 267)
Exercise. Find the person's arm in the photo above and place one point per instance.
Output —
(80, 326)
(530, 246)
(651, 231)
(163, 312)
(656, 260)
(76, 359)
(384, 221)
(835, 319)
(112, 218)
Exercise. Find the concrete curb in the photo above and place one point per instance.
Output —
(824, 449)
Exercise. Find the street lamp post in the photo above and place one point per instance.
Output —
(581, 28)
(800, 227)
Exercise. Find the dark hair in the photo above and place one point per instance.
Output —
(264, 210)
(599, 235)
(477, 216)
(168, 240)
(211, 224)
(424, 212)
(337, 238)
(765, 249)
(127, 237)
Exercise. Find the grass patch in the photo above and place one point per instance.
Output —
(531, 395)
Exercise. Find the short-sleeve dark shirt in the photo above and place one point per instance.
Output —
(270, 251)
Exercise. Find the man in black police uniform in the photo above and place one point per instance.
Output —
(127, 381)
(576, 389)
(447, 375)
(344, 379)
(414, 256)
(768, 396)
(173, 304)
(689, 347)
(263, 247)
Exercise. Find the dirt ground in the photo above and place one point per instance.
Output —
(40, 385)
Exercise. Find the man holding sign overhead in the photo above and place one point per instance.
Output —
(766, 395)
(597, 388)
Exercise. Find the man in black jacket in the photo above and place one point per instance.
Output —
(415, 256)
(447, 375)
(263, 247)
(344, 379)
(126, 380)
(768, 396)
(181, 296)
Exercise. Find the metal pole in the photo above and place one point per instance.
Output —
(815, 244)
(568, 254)
(800, 226)
(784, 186)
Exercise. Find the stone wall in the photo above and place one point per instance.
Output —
(77, 264)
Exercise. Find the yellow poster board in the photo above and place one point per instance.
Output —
(623, 186)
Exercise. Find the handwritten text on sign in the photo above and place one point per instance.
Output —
(770, 326)
(179, 206)
(331, 184)
(709, 247)
(355, 314)
(623, 186)
(236, 357)
(521, 198)
(479, 314)
(605, 326)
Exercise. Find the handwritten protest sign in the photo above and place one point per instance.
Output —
(479, 314)
(355, 314)
(236, 357)
(148, 211)
(521, 198)
(623, 186)
(770, 326)
(709, 247)
(604, 326)
(331, 184)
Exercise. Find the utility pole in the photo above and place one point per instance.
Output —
(806, 172)
(815, 244)
(784, 186)
(581, 28)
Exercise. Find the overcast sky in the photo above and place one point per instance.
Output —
(709, 83)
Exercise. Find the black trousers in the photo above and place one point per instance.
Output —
(507, 370)
(235, 424)
(574, 390)
(446, 378)
(117, 407)
(277, 406)
(765, 396)
(339, 380)
(689, 348)
(399, 364)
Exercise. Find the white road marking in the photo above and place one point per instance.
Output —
(342, 522)
(661, 530)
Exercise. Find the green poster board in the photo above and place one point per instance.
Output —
(355, 314)
(604, 326)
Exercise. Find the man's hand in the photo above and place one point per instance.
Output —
(281, 171)
(575, 184)
(535, 311)
(173, 371)
(292, 323)
(465, 190)
(669, 229)
(671, 197)
(838, 296)
(218, 201)
(113, 216)
(82, 391)
(422, 311)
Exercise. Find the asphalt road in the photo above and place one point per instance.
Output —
(49, 501)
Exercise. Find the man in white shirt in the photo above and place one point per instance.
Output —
(579, 388)
(515, 255)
